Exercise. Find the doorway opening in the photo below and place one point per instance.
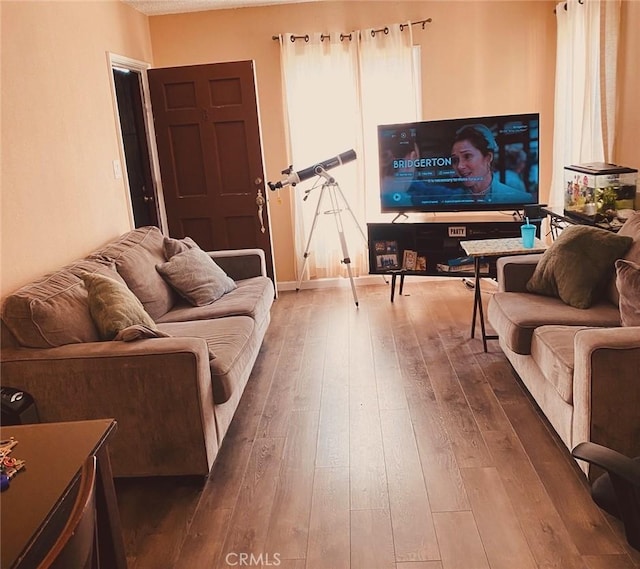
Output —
(141, 173)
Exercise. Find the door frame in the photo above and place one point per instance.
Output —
(141, 67)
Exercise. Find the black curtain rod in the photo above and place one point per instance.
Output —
(565, 6)
(348, 36)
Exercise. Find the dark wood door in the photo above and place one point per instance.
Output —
(210, 154)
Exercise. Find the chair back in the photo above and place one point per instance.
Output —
(76, 547)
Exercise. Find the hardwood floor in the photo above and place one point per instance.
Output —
(378, 437)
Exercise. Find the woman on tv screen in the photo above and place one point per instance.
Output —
(473, 151)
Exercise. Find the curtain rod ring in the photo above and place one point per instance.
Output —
(345, 36)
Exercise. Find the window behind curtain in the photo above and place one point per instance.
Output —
(336, 93)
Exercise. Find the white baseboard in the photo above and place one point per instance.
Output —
(344, 282)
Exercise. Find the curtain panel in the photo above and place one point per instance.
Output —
(586, 67)
(338, 88)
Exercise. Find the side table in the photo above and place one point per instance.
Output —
(559, 218)
(35, 507)
(492, 248)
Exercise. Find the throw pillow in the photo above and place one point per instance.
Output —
(578, 265)
(631, 227)
(174, 246)
(113, 306)
(139, 332)
(196, 277)
(628, 284)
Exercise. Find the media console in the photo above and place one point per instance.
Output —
(436, 245)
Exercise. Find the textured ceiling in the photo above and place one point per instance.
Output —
(157, 7)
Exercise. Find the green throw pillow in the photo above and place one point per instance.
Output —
(113, 306)
(578, 265)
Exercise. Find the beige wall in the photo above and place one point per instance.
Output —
(478, 58)
(60, 199)
(627, 145)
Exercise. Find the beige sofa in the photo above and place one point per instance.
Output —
(580, 365)
(173, 402)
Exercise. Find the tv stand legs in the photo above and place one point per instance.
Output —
(394, 274)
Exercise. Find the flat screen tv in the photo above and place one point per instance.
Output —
(470, 164)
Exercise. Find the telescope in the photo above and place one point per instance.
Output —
(294, 178)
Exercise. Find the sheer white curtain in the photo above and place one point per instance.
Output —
(320, 85)
(388, 94)
(337, 89)
(587, 37)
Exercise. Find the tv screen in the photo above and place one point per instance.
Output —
(484, 163)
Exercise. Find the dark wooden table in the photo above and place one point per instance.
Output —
(38, 502)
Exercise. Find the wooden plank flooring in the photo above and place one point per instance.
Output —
(378, 437)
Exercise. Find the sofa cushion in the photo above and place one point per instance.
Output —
(628, 283)
(234, 344)
(515, 315)
(252, 297)
(113, 306)
(578, 265)
(552, 349)
(54, 310)
(196, 277)
(631, 228)
(136, 255)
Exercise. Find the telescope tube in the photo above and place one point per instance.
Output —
(294, 178)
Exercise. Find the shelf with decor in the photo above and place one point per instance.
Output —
(433, 248)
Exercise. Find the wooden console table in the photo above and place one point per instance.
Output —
(492, 249)
(39, 499)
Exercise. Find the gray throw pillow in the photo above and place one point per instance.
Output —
(174, 246)
(628, 284)
(113, 306)
(196, 277)
(578, 265)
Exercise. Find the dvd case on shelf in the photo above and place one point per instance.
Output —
(386, 254)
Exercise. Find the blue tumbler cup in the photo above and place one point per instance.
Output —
(528, 231)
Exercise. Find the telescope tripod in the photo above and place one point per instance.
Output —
(331, 188)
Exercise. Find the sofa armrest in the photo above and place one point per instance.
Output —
(241, 264)
(513, 272)
(159, 390)
(606, 390)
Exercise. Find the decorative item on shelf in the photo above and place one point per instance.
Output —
(462, 267)
(409, 259)
(421, 264)
(386, 254)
